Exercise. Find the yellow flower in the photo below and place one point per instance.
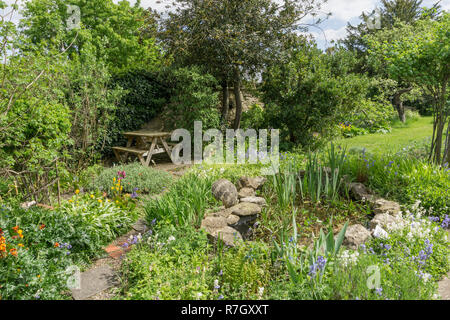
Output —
(117, 201)
(38, 275)
(70, 200)
(100, 200)
(77, 191)
(92, 196)
(20, 245)
(112, 188)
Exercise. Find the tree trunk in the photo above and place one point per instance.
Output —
(446, 158)
(398, 103)
(238, 99)
(225, 103)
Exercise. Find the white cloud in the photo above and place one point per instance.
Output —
(348, 9)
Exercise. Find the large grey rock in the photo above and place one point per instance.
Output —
(140, 226)
(385, 221)
(256, 200)
(245, 209)
(227, 234)
(246, 192)
(223, 190)
(212, 223)
(251, 182)
(358, 191)
(232, 219)
(386, 206)
(94, 281)
(356, 235)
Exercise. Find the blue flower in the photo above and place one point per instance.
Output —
(379, 291)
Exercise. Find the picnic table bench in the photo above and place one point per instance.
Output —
(147, 143)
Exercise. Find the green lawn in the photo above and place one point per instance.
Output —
(400, 136)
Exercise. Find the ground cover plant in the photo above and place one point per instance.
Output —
(138, 178)
(40, 246)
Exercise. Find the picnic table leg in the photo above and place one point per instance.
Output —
(129, 143)
(166, 147)
(116, 153)
(150, 152)
(141, 158)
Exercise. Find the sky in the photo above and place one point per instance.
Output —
(334, 28)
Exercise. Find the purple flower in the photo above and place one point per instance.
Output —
(125, 245)
(445, 222)
(153, 222)
(379, 291)
(220, 272)
(387, 246)
(319, 265)
(134, 240)
(220, 297)
(121, 174)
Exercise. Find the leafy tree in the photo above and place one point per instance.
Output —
(391, 11)
(420, 54)
(34, 121)
(114, 30)
(232, 39)
(305, 99)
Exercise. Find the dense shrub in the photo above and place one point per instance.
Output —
(305, 100)
(138, 178)
(192, 98)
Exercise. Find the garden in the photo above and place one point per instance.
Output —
(357, 209)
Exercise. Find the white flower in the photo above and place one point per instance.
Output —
(199, 295)
(348, 258)
(379, 232)
(171, 238)
(260, 292)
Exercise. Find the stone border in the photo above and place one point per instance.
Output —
(241, 208)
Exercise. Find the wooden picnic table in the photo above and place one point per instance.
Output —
(147, 143)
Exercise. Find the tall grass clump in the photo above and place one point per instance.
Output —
(322, 182)
(184, 204)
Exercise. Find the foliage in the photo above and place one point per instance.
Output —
(304, 100)
(145, 92)
(405, 179)
(93, 104)
(138, 179)
(169, 264)
(183, 258)
(232, 39)
(47, 242)
(254, 118)
(419, 54)
(117, 41)
(184, 204)
(192, 98)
